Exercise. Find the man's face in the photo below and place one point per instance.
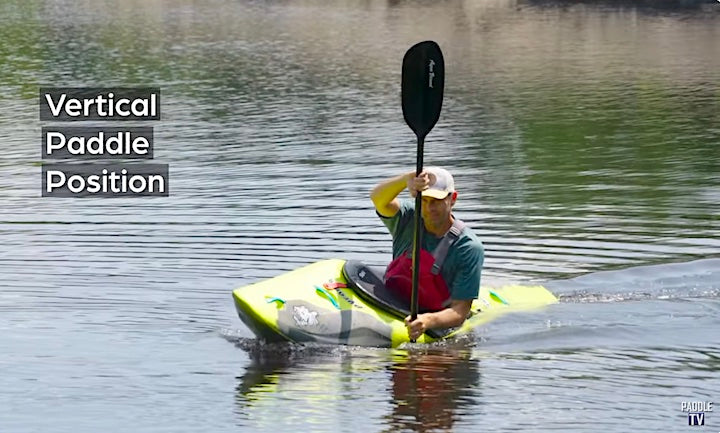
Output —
(436, 212)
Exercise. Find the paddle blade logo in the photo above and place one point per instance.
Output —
(423, 81)
(431, 73)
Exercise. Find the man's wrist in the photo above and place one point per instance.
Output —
(431, 320)
(408, 179)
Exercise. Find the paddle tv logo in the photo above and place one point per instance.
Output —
(696, 411)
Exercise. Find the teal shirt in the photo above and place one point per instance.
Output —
(463, 265)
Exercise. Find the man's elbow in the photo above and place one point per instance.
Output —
(458, 321)
(377, 203)
(385, 208)
(374, 196)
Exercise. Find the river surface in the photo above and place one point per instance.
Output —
(585, 143)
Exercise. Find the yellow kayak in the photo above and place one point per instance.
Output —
(339, 302)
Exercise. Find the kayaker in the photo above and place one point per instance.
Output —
(445, 295)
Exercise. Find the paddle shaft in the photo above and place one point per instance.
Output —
(417, 239)
(423, 81)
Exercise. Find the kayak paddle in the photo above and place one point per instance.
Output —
(423, 80)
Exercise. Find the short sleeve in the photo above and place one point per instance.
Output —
(466, 284)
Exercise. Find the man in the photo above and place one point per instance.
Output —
(458, 279)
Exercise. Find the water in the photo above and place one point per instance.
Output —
(584, 140)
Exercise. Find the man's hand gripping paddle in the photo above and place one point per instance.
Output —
(423, 81)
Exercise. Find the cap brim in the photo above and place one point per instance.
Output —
(435, 193)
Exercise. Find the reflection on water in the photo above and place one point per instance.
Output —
(429, 387)
(432, 388)
(544, 382)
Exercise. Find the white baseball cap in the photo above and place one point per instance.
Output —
(444, 183)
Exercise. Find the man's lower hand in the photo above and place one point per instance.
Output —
(417, 327)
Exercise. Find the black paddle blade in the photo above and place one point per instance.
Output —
(423, 81)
